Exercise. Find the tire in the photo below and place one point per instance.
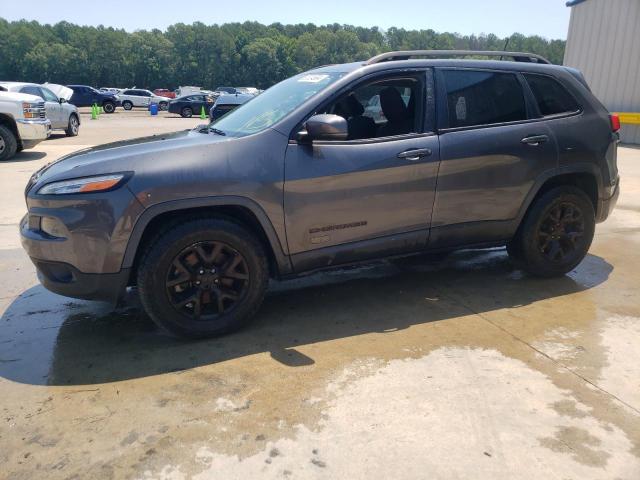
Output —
(556, 233)
(109, 107)
(186, 112)
(163, 106)
(8, 143)
(73, 128)
(127, 105)
(177, 283)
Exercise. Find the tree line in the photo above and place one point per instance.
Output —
(234, 54)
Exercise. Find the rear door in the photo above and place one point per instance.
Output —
(492, 151)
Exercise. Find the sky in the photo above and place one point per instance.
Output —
(548, 18)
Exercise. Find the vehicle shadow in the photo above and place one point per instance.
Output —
(26, 156)
(89, 346)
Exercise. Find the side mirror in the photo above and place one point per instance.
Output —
(62, 100)
(326, 127)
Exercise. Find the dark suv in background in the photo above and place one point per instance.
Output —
(464, 153)
(85, 96)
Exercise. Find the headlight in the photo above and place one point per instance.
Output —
(83, 185)
(31, 109)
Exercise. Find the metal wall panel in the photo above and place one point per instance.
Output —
(604, 43)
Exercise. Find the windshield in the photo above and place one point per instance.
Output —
(266, 109)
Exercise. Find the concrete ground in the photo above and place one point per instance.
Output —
(460, 369)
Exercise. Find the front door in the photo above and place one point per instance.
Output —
(55, 111)
(371, 194)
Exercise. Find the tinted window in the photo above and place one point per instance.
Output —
(129, 92)
(483, 98)
(31, 90)
(552, 98)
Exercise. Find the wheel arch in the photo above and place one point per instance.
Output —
(239, 210)
(586, 177)
(9, 122)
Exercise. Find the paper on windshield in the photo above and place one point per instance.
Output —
(314, 78)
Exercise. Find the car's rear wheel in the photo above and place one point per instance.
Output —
(202, 278)
(186, 112)
(556, 233)
(109, 107)
(164, 106)
(73, 128)
(127, 105)
(8, 143)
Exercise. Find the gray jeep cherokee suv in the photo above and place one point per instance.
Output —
(463, 153)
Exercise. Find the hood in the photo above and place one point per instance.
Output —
(124, 156)
(19, 97)
(60, 90)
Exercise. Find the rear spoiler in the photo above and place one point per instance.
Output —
(578, 76)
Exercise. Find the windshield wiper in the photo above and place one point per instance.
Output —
(217, 131)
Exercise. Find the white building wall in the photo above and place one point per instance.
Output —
(604, 43)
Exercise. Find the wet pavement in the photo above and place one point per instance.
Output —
(461, 367)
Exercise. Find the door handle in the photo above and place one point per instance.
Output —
(414, 154)
(535, 140)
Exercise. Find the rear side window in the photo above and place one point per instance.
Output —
(31, 90)
(552, 98)
(483, 98)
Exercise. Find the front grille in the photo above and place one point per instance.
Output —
(42, 113)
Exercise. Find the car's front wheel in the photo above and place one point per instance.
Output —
(8, 143)
(187, 112)
(556, 233)
(127, 105)
(203, 277)
(164, 106)
(73, 127)
(109, 107)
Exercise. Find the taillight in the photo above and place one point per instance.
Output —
(615, 122)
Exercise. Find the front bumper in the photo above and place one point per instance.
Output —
(606, 205)
(33, 131)
(64, 279)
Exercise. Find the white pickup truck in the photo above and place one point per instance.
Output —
(23, 123)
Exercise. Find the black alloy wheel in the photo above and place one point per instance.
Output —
(560, 231)
(206, 280)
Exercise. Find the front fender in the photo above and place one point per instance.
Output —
(282, 259)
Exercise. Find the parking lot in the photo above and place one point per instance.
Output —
(461, 367)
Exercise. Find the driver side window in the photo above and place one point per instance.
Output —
(382, 108)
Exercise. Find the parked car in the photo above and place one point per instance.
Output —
(63, 115)
(113, 90)
(163, 92)
(226, 103)
(187, 90)
(226, 90)
(520, 154)
(249, 90)
(141, 98)
(23, 122)
(190, 105)
(85, 96)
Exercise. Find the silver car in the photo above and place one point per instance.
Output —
(63, 115)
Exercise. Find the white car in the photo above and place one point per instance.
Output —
(63, 115)
(137, 97)
(23, 122)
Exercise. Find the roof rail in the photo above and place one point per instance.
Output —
(406, 54)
